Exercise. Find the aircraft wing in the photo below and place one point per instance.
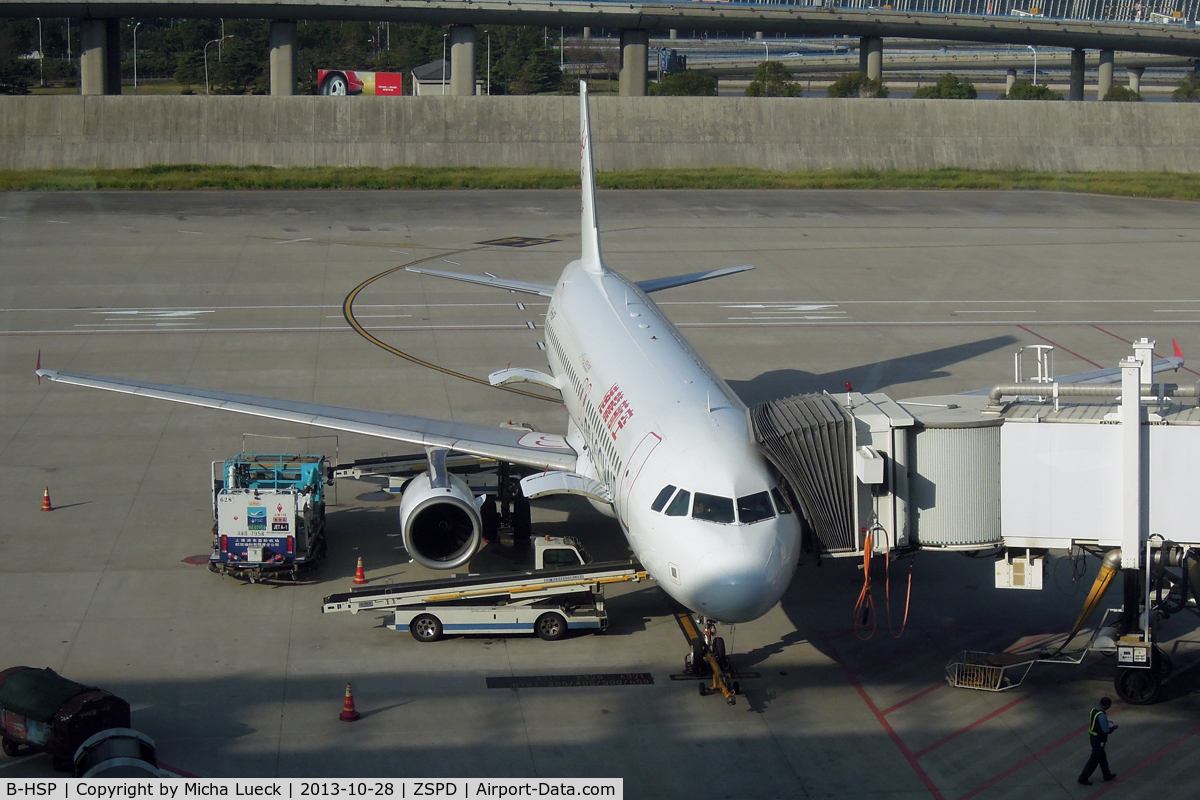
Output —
(528, 287)
(532, 449)
(658, 284)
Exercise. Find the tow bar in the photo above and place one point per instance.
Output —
(708, 659)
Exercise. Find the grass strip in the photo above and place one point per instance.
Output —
(1172, 185)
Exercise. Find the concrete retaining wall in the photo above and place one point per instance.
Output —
(630, 133)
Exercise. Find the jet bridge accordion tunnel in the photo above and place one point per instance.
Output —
(854, 461)
(1026, 469)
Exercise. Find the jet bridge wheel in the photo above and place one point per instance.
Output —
(550, 626)
(426, 628)
(11, 747)
(1138, 687)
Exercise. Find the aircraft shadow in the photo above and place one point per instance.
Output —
(931, 364)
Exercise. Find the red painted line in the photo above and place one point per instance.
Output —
(1126, 341)
(903, 748)
(916, 696)
(972, 726)
(1126, 775)
(180, 772)
(990, 782)
(1060, 347)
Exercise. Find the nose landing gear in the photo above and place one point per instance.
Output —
(708, 660)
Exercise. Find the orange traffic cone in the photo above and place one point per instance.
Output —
(360, 577)
(348, 713)
(46, 500)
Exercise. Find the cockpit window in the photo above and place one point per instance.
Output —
(662, 498)
(679, 506)
(711, 508)
(780, 503)
(754, 508)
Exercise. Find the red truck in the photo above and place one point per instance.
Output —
(347, 81)
(41, 709)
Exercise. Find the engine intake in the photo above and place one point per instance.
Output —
(441, 523)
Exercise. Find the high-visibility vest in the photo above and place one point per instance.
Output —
(1093, 724)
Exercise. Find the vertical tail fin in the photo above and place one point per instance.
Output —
(587, 172)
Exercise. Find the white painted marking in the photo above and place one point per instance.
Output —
(293, 241)
(993, 311)
(157, 313)
(194, 233)
(455, 263)
(786, 306)
(1176, 310)
(368, 316)
(530, 325)
(541, 345)
(57, 222)
(401, 252)
(521, 306)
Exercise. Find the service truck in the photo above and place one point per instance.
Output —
(563, 592)
(269, 515)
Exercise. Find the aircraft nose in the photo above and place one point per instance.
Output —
(743, 581)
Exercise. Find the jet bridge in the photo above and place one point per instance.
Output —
(1021, 470)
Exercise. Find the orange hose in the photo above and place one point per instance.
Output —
(866, 603)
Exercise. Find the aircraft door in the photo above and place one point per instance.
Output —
(632, 470)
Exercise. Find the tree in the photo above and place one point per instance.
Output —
(1189, 89)
(690, 82)
(1024, 90)
(857, 84)
(948, 87)
(1122, 94)
(539, 73)
(772, 79)
(190, 69)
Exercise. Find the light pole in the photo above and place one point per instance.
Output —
(767, 48)
(135, 27)
(221, 39)
(218, 43)
(562, 50)
(444, 35)
(41, 54)
(1034, 49)
(489, 68)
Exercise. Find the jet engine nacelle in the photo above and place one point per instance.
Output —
(441, 524)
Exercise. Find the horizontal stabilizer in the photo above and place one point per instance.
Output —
(527, 287)
(658, 284)
(547, 483)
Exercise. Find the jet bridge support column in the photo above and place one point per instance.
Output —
(1106, 74)
(462, 61)
(1076, 74)
(635, 45)
(1009, 79)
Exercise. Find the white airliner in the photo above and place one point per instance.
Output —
(654, 438)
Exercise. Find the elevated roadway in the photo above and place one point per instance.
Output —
(634, 19)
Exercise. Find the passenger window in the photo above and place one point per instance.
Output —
(662, 498)
(780, 503)
(679, 506)
(754, 508)
(711, 508)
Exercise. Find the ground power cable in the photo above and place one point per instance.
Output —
(864, 608)
(352, 321)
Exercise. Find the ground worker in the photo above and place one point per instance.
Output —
(1098, 730)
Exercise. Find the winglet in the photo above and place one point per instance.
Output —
(1178, 352)
(590, 229)
(37, 368)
